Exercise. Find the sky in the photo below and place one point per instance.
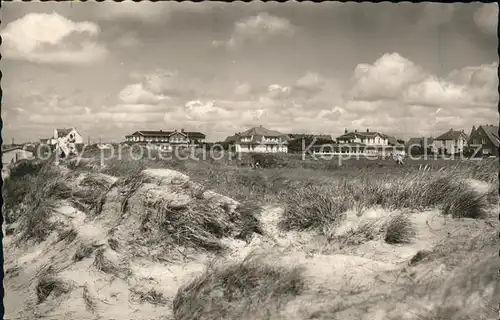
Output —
(109, 69)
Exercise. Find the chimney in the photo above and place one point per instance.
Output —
(345, 131)
(367, 130)
(182, 130)
(161, 130)
(355, 130)
(451, 129)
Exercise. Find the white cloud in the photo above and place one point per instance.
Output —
(242, 89)
(384, 79)
(437, 93)
(259, 28)
(51, 38)
(486, 18)
(138, 94)
(396, 95)
(275, 91)
(311, 82)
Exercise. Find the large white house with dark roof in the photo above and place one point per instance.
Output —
(260, 139)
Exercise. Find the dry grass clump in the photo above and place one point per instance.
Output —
(400, 230)
(68, 235)
(237, 290)
(83, 251)
(151, 296)
(49, 284)
(90, 301)
(130, 184)
(107, 266)
(201, 224)
(312, 208)
(92, 198)
(366, 231)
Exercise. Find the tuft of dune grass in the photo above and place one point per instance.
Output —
(400, 230)
(103, 264)
(312, 208)
(50, 285)
(151, 296)
(200, 225)
(237, 290)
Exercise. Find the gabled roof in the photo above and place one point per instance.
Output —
(353, 135)
(452, 135)
(63, 132)
(492, 134)
(261, 131)
(233, 138)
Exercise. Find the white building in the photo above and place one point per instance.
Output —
(367, 138)
(260, 139)
(451, 142)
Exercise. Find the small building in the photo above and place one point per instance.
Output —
(260, 139)
(167, 140)
(487, 137)
(451, 142)
(71, 134)
(15, 154)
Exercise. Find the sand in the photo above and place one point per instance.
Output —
(357, 282)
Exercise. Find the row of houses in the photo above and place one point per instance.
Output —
(260, 139)
(484, 137)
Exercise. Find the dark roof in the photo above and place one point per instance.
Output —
(161, 133)
(257, 133)
(451, 135)
(63, 132)
(261, 131)
(353, 135)
(233, 138)
(293, 136)
(492, 134)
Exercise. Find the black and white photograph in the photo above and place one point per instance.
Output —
(250, 160)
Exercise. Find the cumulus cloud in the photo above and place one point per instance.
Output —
(397, 95)
(242, 89)
(138, 94)
(311, 83)
(437, 93)
(385, 78)
(260, 28)
(51, 38)
(275, 91)
(486, 18)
